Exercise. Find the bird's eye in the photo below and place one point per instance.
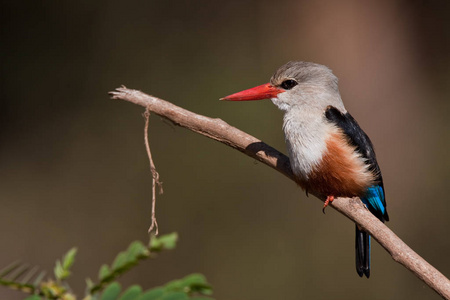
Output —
(288, 84)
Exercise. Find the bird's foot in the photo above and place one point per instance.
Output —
(328, 201)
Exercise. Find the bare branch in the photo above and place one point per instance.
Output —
(350, 207)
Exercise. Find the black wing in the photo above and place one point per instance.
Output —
(358, 138)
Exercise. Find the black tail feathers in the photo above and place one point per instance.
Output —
(362, 251)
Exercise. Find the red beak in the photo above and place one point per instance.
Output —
(264, 91)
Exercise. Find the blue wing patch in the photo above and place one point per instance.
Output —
(374, 200)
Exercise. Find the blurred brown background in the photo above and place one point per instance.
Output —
(74, 172)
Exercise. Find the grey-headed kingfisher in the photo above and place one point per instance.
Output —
(329, 153)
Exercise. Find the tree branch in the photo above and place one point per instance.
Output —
(352, 208)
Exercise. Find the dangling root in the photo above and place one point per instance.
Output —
(155, 175)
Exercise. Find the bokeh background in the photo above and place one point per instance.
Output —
(74, 172)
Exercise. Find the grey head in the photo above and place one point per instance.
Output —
(308, 86)
(304, 91)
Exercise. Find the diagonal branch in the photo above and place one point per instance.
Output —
(352, 208)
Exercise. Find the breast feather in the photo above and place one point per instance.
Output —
(342, 171)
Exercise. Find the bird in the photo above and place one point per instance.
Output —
(330, 155)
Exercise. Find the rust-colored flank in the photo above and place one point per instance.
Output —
(341, 172)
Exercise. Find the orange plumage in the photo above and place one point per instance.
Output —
(341, 172)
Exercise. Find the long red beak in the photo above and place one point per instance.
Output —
(264, 91)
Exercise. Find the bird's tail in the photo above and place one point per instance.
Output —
(362, 251)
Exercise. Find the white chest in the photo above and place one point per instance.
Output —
(306, 142)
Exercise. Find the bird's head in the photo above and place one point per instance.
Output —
(297, 85)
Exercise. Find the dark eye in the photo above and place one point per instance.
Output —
(288, 84)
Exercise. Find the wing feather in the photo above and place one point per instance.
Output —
(375, 198)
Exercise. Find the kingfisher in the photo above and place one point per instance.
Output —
(330, 155)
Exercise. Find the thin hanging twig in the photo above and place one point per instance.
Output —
(155, 174)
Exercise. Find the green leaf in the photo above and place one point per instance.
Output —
(10, 268)
(111, 292)
(39, 278)
(137, 250)
(62, 268)
(175, 296)
(195, 278)
(33, 297)
(69, 258)
(89, 283)
(153, 294)
(18, 277)
(190, 284)
(103, 272)
(120, 261)
(174, 285)
(164, 242)
(59, 271)
(197, 283)
(18, 272)
(132, 293)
